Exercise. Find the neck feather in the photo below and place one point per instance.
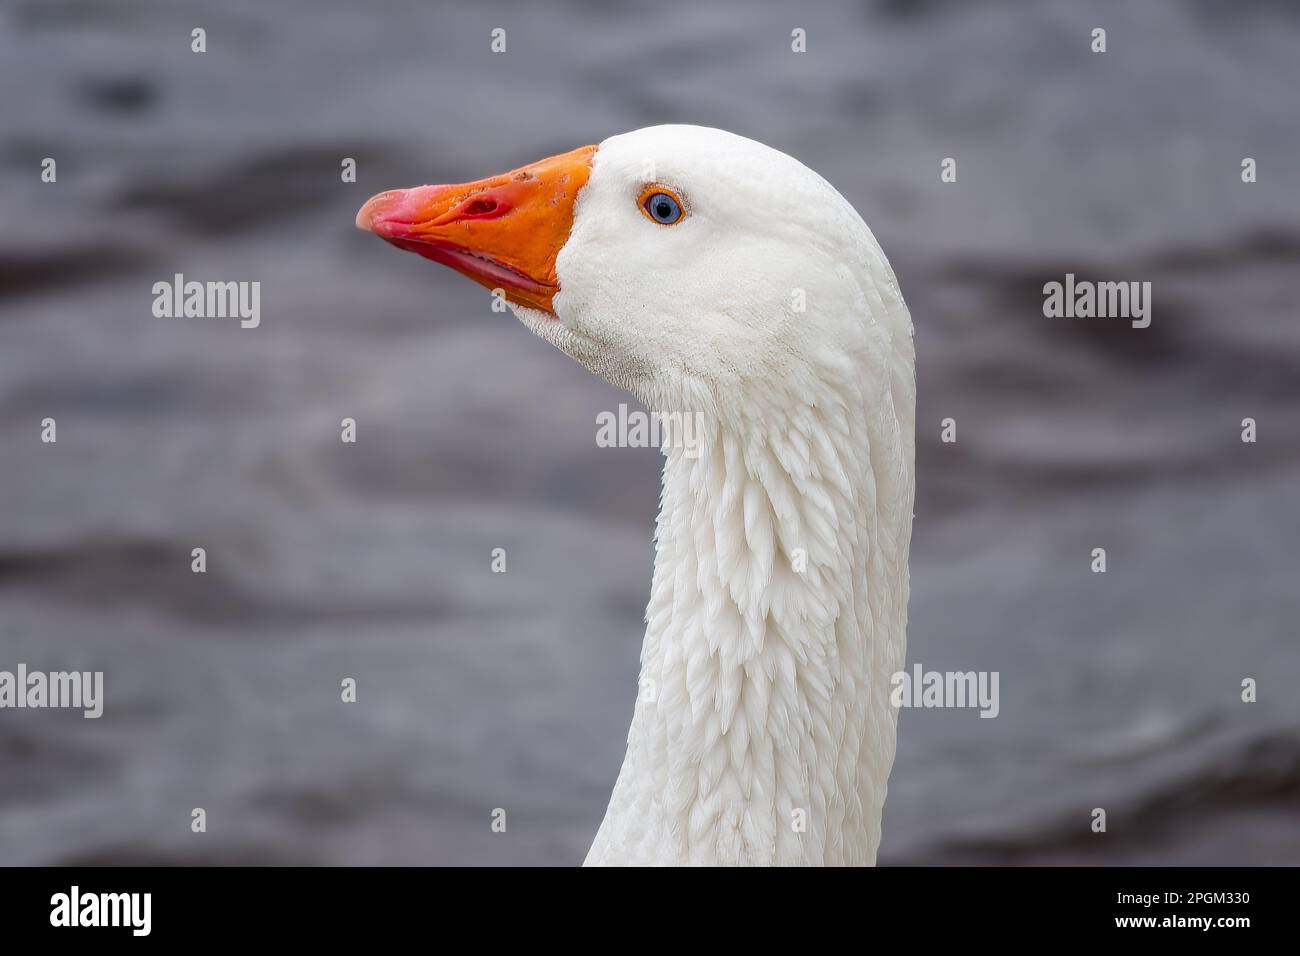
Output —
(763, 732)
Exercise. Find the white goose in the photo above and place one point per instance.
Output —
(710, 275)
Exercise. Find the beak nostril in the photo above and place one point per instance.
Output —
(482, 206)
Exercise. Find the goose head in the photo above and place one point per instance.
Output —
(690, 266)
(709, 274)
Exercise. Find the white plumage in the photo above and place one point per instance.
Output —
(767, 687)
(764, 733)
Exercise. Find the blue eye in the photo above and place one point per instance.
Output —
(663, 208)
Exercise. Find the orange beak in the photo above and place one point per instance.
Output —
(503, 232)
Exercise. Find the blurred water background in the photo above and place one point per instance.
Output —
(481, 690)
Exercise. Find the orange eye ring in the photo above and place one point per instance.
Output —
(661, 205)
